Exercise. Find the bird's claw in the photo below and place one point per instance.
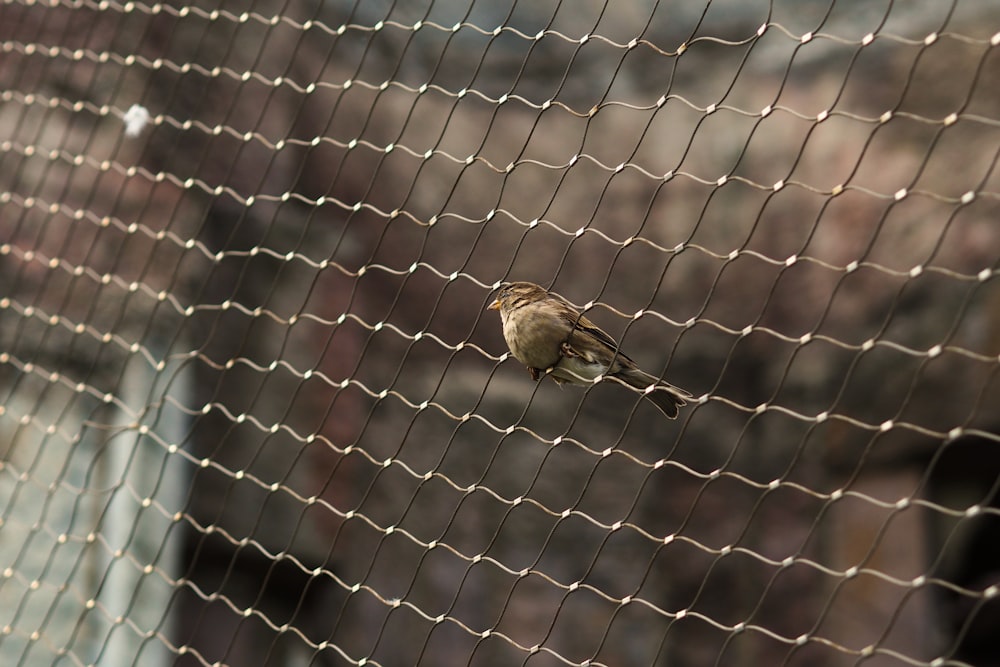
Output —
(568, 351)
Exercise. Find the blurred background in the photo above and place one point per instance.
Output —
(253, 410)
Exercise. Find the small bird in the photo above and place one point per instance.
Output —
(546, 333)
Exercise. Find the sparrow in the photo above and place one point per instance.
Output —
(550, 336)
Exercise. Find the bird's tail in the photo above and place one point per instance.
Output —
(666, 397)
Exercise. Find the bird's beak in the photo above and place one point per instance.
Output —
(495, 305)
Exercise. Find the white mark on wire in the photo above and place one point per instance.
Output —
(135, 119)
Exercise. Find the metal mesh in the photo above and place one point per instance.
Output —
(255, 412)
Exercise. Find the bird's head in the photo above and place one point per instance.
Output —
(514, 295)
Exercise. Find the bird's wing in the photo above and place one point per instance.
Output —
(579, 341)
(586, 326)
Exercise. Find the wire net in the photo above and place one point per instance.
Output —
(255, 412)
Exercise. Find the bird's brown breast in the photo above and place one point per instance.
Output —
(534, 336)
